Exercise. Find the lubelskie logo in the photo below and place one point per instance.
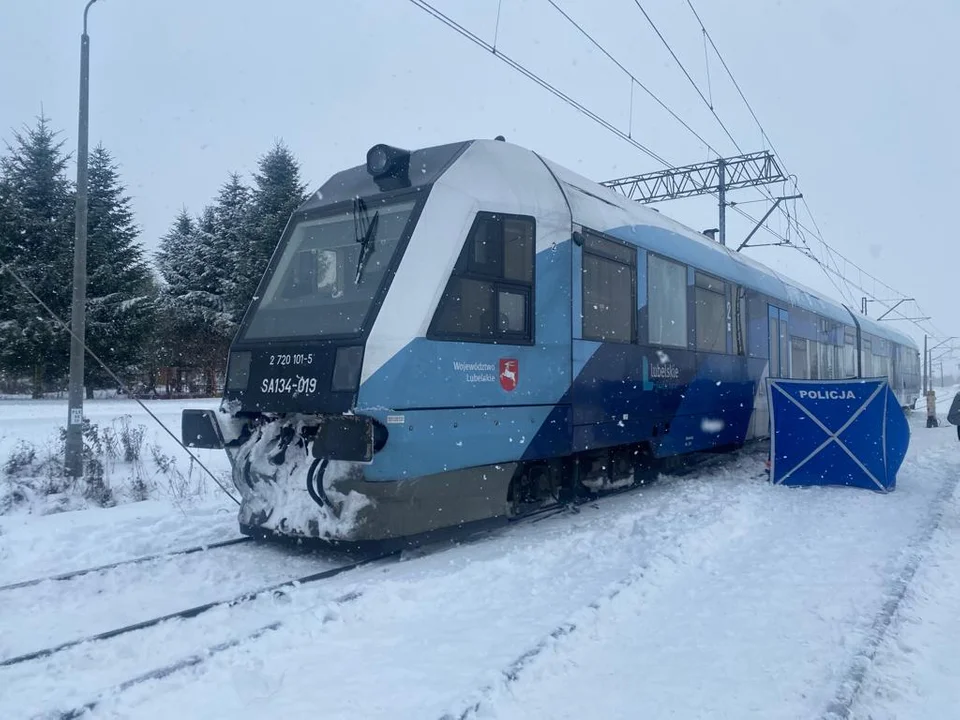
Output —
(666, 374)
(509, 373)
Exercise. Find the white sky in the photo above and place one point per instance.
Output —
(860, 98)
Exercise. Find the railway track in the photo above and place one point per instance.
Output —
(196, 610)
(184, 663)
(203, 655)
(533, 516)
(124, 563)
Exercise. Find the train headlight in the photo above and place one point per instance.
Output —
(346, 369)
(377, 160)
(238, 370)
(385, 161)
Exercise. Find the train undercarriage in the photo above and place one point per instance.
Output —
(289, 492)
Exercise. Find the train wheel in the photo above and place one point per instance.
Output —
(528, 489)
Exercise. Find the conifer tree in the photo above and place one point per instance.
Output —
(277, 192)
(233, 237)
(177, 327)
(197, 324)
(173, 255)
(36, 239)
(120, 302)
(210, 265)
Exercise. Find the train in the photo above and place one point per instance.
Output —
(466, 332)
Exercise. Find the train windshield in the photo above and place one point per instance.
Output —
(329, 272)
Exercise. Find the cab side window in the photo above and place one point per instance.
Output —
(489, 297)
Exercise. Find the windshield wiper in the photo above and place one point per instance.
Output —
(367, 237)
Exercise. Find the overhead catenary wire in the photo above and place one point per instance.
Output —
(713, 110)
(743, 97)
(633, 78)
(689, 77)
(831, 252)
(496, 31)
(696, 87)
(769, 196)
(480, 42)
(706, 65)
(673, 114)
(709, 104)
(6, 267)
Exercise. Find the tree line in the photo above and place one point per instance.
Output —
(162, 323)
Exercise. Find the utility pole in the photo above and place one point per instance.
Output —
(924, 371)
(928, 381)
(73, 461)
(722, 187)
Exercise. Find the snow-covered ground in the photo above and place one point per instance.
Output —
(35, 542)
(714, 596)
(30, 442)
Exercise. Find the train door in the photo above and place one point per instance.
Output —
(779, 339)
(896, 377)
(777, 365)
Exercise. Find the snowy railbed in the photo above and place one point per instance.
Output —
(712, 596)
(915, 670)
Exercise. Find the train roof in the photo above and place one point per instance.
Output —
(611, 209)
(606, 210)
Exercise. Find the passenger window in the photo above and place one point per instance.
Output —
(667, 301)
(710, 298)
(609, 290)
(867, 357)
(798, 357)
(489, 297)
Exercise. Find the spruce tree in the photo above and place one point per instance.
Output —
(211, 265)
(233, 233)
(9, 375)
(173, 255)
(120, 303)
(211, 274)
(36, 240)
(176, 328)
(277, 192)
(197, 323)
(153, 343)
(212, 300)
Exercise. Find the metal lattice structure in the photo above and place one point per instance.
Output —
(714, 176)
(724, 174)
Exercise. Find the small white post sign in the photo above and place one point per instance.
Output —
(76, 416)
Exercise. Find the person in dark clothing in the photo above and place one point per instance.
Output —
(953, 416)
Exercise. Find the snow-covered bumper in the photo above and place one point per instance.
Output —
(288, 491)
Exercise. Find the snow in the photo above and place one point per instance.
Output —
(38, 423)
(915, 674)
(280, 492)
(712, 596)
